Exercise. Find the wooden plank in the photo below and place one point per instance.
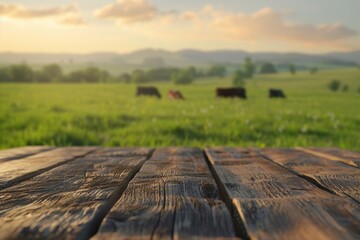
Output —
(348, 157)
(12, 172)
(173, 196)
(68, 202)
(16, 153)
(333, 176)
(270, 202)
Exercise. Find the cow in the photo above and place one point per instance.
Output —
(276, 93)
(231, 93)
(175, 95)
(148, 91)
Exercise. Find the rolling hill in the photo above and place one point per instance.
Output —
(144, 57)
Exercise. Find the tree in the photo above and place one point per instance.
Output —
(92, 75)
(249, 68)
(313, 70)
(105, 76)
(49, 73)
(334, 85)
(193, 71)
(75, 77)
(40, 77)
(125, 78)
(160, 74)
(345, 88)
(183, 77)
(21, 73)
(217, 71)
(292, 69)
(53, 72)
(5, 75)
(239, 78)
(267, 68)
(139, 76)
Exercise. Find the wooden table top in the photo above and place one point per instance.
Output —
(180, 193)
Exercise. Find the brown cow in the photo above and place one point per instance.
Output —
(175, 95)
(231, 93)
(148, 91)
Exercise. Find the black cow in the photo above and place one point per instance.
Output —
(231, 93)
(148, 91)
(276, 93)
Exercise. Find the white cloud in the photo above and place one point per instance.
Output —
(60, 14)
(264, 25)
(269, 24)
(128, 11)
(72, 19)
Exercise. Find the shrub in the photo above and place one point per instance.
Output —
(334, 85)
(249, 68)
(239, 78)
(182, 77)
(267, 68)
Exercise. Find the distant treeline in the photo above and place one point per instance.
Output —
(53, 73)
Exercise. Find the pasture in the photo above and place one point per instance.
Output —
(111, 115)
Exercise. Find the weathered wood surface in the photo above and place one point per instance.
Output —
(68, 193)
(173, 197)
(16, 153)
(270, 202)
(12, 172)
(68, 202)
(333, 176)
(349, 157)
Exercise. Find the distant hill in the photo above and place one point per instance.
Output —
(186, 57)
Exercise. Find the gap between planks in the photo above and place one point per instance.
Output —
(69, 202)
(274, 203)
(239, 225)
(351, 161)
(22, 152)
(173, 196)
(332, 176)
(15, 172)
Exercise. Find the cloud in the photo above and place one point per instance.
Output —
(189, 16)
(66, 14)
(269, 24)
(128, 11)
(263, 26)
(72, 19)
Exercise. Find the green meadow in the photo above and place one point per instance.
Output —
(111, 115)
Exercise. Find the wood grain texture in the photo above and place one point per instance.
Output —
(336, 177)
(270, 202)
(16, 153)
(348, 157)
(12, 172)
(173, 197)
(68, 202)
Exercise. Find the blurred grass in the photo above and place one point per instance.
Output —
(111, 115)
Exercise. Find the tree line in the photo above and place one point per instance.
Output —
(53, 73)
(249, 68)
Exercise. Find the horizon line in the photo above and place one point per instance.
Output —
(173, 51)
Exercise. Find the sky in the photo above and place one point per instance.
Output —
(85, 26)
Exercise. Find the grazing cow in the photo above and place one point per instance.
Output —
(276, 93)
(231, 93)
(175, 95)
(148, 91)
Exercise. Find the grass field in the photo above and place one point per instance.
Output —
(110, 115)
